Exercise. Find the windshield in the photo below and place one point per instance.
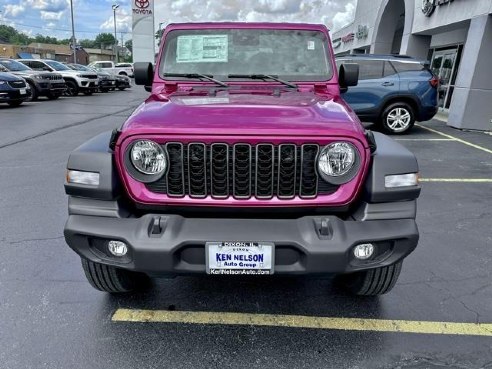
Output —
(14, 66)
(79, 67)
(291, 55)
(56, 65)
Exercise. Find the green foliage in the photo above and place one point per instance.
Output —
(158, 36)
(129, 45)
(105, 39)
(10, 35)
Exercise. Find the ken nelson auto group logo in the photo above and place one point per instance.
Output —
(141, 7)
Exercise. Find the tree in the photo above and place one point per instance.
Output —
(12, 36)
(104, 40)
(129, 45)
(158, 36)
(88, 44)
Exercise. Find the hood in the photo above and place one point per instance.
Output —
(9, 77)
(238, 112)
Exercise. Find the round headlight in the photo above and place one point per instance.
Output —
(148, 157)
(337, 160)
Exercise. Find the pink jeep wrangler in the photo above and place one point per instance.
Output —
(244, 160)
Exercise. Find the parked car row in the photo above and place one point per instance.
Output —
(28, 79)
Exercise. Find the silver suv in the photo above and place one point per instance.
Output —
(77, 81)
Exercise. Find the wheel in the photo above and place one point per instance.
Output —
(123, 74)
(53, 97)
(372, 282)
(104, 90)
(122, 88)
(34, 92)
(398, 118)
(113, 280)
(72, 88)
(15, 103)
(88, 92)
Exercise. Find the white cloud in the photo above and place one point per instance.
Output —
(14, 10)
(51, 15)
(123, 22)
(334, 14)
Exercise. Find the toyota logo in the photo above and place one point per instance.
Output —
(428, 7)
(142, 4)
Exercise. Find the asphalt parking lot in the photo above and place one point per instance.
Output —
(50, 317)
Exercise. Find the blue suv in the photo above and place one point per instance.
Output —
(393, 91)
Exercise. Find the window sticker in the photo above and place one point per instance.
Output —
(202, 49)
(310, 45)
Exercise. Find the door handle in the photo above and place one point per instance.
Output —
(387, 84)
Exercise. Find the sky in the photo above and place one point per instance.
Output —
(52, 17)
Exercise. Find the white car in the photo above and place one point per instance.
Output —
(121, 69)
(76, 81)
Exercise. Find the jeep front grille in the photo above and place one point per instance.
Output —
(242, 171)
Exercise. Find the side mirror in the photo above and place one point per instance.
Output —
(348, 76)
(46, 68)
(144, 74)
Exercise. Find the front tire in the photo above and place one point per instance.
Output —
(88, 93)
(72, 88)
(372, 282)
(398, 118)
(113, 280)
(53, 97)
(15, 103)
(34, 92)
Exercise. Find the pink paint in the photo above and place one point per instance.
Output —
(247, 112)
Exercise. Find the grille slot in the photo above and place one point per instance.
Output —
(287, 167)
(242, 171)
(309, 177)
(265, 164)
(175, 174)
(219, 170)
(197, 170)
(263, 171)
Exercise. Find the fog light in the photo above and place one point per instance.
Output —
(117, 248)
(364, 251)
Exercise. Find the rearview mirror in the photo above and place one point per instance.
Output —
(144, 73)
(348, 76)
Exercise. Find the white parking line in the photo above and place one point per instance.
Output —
(478, 147)
(425, 139)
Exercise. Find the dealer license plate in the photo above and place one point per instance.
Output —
(239, 258)
(23, 91)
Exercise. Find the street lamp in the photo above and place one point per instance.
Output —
(115, 6)
(73, 35)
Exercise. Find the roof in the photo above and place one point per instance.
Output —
(247, 25)
(58, 49)
(402, 58)
(99, 51)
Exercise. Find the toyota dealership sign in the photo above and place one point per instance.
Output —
(143, 30)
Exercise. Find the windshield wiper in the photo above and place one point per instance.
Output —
(263, 77)
(197, 75)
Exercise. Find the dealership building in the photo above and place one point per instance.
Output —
(454, 35)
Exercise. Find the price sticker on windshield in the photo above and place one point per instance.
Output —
(202, 49)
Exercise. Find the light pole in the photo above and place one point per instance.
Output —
(73, 35)
(115, 6)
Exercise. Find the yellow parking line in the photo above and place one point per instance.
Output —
(457, 180)
(298, 321)
(456, 139)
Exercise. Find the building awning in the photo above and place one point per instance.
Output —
(25, 55)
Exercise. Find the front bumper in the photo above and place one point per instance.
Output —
(88, 84)
(14, 95)
(302, 246)
(107, 83)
